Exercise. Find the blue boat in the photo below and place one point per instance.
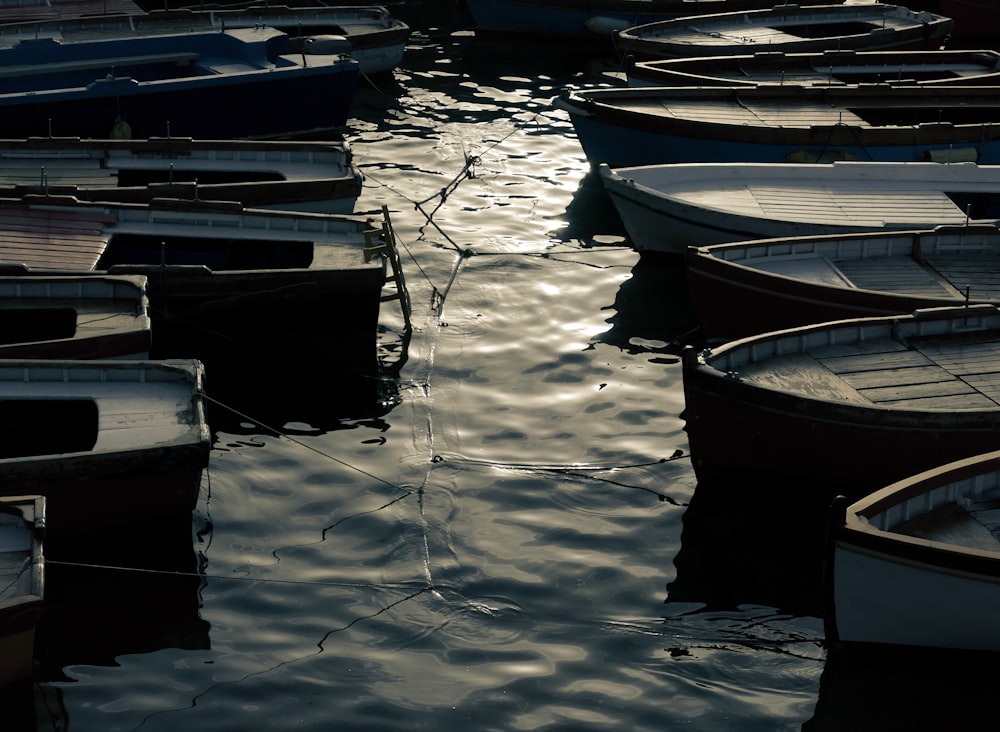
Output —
(367, 33)
(221, 84)
(780, 124)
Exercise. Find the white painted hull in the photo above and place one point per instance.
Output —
(917, 563)
(881, 599)
(668, 208)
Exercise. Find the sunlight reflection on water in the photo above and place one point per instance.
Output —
(492, 551)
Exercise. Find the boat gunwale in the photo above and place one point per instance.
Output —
(855, 532)
(649, 37)
(697, 70)
(718, 252)
(189, 447)
(600, 104)
(713, 366)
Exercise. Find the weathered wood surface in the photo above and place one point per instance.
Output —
(950, 524)
(52, 241)
(931, 374)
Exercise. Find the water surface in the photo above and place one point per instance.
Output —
(503, 534)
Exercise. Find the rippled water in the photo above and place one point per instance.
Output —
(506, 536)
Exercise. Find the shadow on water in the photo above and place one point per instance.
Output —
(653, 310)
(591, 215)
(489, 58)
(129, 591)
(906, 690)
(749, 543)
(309, 395)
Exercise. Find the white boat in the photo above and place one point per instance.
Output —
(108, 443)
(22, 583)
(917, 563)
(669, 207)
(790, 28)
(293, 175)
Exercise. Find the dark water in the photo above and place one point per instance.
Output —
(503, 534)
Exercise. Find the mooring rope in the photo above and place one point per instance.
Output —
(278, 433)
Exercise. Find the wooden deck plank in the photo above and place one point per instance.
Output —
(980, 274)
(896, 274)
(725, 112)
(950, 402)
(859, 363)
(951, 524)
(946, 386)
(894, 377)
(802, 374)
(856, 205)
(840, 350)
(43, 240)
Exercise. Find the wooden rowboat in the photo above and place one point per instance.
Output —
(847, 406)
(789, 28)
(74, 317)
(744, 288)
(593, 20)
(205, 82)
(295, 175)
(786, 124)
(108, 443)
(821, 68)
(22, 590)
(917, 564)
(367, 34)
(225, 283)
(670, 207)
(19, 11)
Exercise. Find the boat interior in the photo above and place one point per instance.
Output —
(16, 562)
(19, 324)
(216, 253)
(932, 373)
(27, 426)
(969, 523)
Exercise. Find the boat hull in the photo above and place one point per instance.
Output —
(587, 22)
(22, 564)
(632, 127)
(74, 318)
(942, 67)
(228, 95)
(916, 565)
(735, 304)
(892, 597)
(309, 176)
(659, 223)
(225, 284)
(108, 443)
(847, 26)
(594, 20)
(812, 440)
(331, 316)
(742, 288)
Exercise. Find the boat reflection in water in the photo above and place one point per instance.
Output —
(752, 544)
(883, 692)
